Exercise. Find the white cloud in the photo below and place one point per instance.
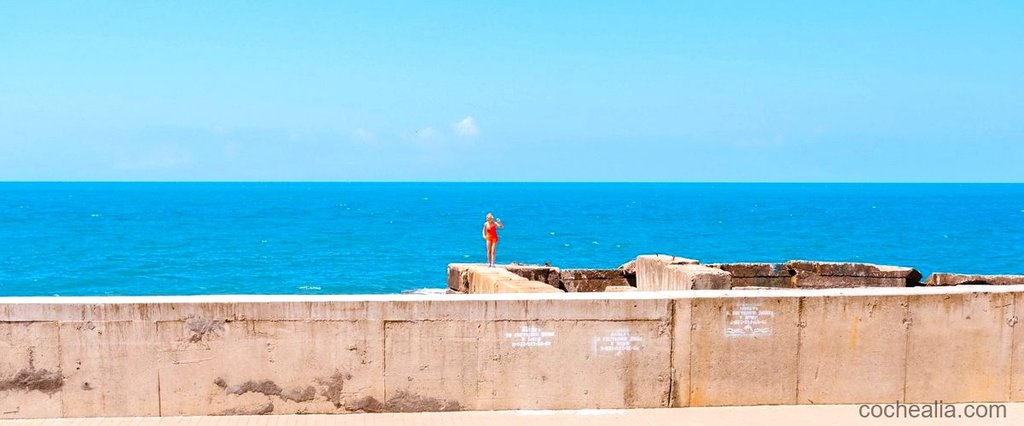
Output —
(466, 127)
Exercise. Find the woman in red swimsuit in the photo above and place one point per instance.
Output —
(490, 234)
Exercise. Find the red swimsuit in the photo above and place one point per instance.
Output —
(492, 231)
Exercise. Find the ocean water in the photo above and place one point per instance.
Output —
(347, 238)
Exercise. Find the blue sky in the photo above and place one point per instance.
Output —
(512, 91)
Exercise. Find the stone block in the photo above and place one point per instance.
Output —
(743, 351)
(591, 280)
(774, 275)
(109, 369)
(457, 276)
(499, 280)
(211, 367)
(619, 288)
(810, 274)
(545, 274)
(959, 347)
(592, 274)
(697, 277)
(942, 278)
(506, 365)
(629, 268)
(593, 286)
(652, 274)
(31, 379)
(853, 349)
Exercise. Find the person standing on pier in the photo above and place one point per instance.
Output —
(490, 234)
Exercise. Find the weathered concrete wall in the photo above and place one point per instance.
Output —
(299, 354)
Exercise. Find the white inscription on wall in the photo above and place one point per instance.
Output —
(619, 341)
(748, 320)
(530, 336)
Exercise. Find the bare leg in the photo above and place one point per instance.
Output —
(490, 253)
(494, 249)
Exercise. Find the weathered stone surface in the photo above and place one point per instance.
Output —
(774, 275)
(629, 268)
(545, 274)
(809, 274)
(652, 271)
(619, 288)
(943, 278)
(591, 280)
(743, 351)
(590, 286)
(852, 349)
(970, 364)
(31, 379)
(495, 365)
(592, 274)
(697, 277)
(457, 277)
(108, 369)
(483, 279)
(747, 270)
(269, 367)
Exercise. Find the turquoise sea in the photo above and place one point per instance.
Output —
(345, 238)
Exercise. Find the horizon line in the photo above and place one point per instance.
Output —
(532, 181)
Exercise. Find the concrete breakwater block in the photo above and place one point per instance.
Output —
(544, 274)
(591, 280)
(458, 279)
(943, 278)
(775, 275)
(699, 277)
(652, 272)
(499, 280)
(479, 278)
(810, 274)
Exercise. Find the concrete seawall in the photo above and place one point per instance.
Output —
(210, 355)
